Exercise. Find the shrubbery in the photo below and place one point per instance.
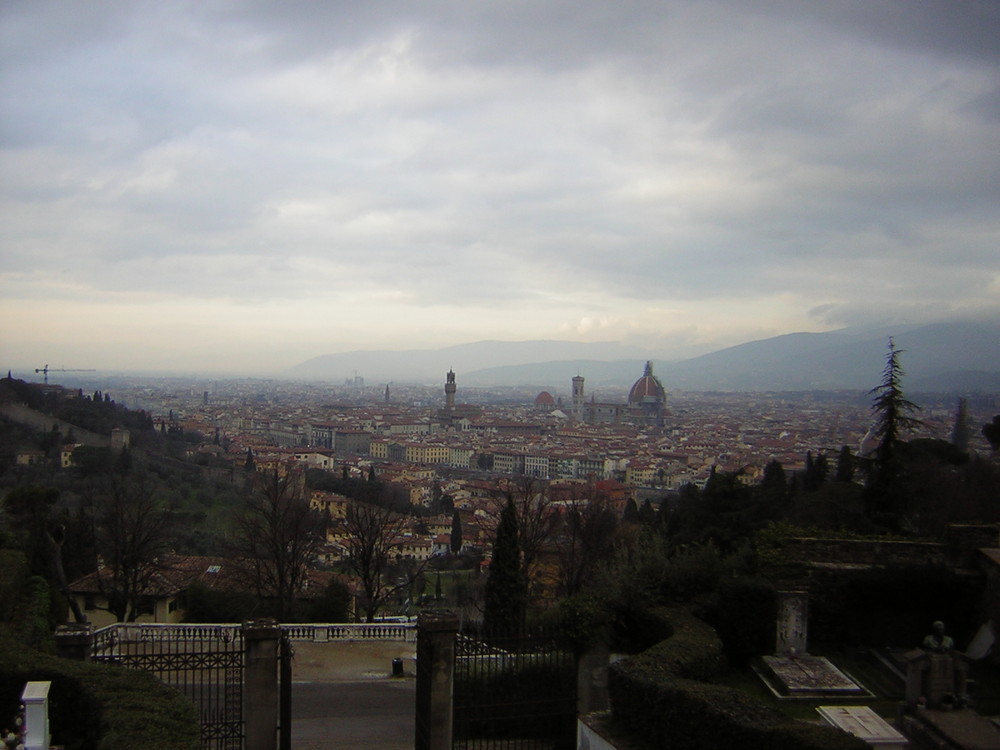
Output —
(99, 707)
(661, 697)
(91, 706)
(744, 618)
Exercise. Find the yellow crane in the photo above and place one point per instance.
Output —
(46, 370)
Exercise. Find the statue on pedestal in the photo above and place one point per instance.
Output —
(936, 673)
(938, 641)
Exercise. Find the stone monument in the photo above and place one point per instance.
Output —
(792, 672)
(936, 674)
(937, 713)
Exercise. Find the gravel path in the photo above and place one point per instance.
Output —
(344, 697)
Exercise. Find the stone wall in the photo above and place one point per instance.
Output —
(960, 550)
(43, 423)
(863, 552)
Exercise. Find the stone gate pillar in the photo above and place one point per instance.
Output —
(75, 641)
(260, 684)
(592, 679)
(436, 632)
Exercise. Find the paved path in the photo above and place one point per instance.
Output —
(344, 697)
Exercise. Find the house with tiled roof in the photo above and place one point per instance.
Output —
(162, 599)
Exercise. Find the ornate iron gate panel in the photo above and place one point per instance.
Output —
(205, 662)
(514, 693)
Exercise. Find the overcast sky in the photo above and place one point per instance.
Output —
(240, 185)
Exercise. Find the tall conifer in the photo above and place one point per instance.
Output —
(506, 589)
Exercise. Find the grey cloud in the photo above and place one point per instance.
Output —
(638, 150)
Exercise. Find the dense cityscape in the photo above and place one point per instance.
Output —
(480, 376)
(213, 500)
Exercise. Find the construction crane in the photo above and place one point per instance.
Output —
(46, 370)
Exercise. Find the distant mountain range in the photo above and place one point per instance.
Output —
(430, 365)
(960, 357)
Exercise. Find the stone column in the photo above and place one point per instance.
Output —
(592, 679)
(793, 623)
(260, 684)
(436, 631)
(75, 641)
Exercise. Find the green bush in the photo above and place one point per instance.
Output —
(691, 571)
(13, 574)
(34, 624)
(99, 707)
(661, 698)
(637, 626)
(584, 620)
(744, 618)
(692, 651)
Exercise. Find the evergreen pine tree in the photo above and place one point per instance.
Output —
(821, 469)
(124, 463)
(646, 514)
(809, 478)
(893, 416)
(774, 483)
(845, 465)
(960, 434)
(631, 512)
(991, 431)
(506, 590)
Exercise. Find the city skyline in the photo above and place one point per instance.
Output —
(241, 187)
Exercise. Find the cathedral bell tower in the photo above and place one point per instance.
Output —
(578, 398)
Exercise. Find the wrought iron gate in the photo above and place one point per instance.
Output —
(514, 693)
(205, 662)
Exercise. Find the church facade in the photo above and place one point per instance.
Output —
(646, 404)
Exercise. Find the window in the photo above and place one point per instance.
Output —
(88, 603)
(172, 606)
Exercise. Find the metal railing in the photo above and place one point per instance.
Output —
(517, 692)
(204, 662)
(109, 638)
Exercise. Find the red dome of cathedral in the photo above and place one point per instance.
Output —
(544, 399)
(647, 389)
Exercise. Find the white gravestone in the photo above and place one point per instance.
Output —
(865, 724)
(36, 715)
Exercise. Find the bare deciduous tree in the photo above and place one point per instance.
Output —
(132, 537)
(373, 532)
(277, 538)
(587, 538)
(537, 518)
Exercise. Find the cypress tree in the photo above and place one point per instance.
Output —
(961, 433)
(506, 590)
(774, 483)
(456, 533)
(646, 514)
(631, 512)
(845, 465)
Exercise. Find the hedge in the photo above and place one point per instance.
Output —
(97, 706)
(661, 699)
